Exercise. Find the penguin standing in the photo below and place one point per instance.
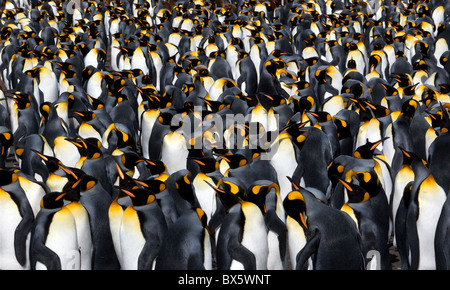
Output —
(426, 208)
(297, 231)
(142, 231)
(266, 195)
(83, 228)
(17, 220)
(371, 211)
(96, 201)
(208, 174)
(242, 241)
(333, 241)
(187, 244)
(54, 244)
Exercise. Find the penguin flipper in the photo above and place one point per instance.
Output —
(22, 231)
(400, 234)
(217, 217)
(412, 235)
(39, 252)
(275, 224)
(243, 255)
(147, 256)
(309, 249)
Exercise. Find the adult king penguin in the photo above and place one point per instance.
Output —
(333, 241)
(142, 230)
(187, 244)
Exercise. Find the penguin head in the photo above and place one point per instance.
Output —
(125, 180)
(53, 200)
(23, 100)
(368, 180)
(367, 150)
(230, 191)
(89, 147)
(95, 104)
(367, 110)
(184, 187)
(85, 116)
(154, 185)
(445, 119)
(128, 159)
(335, 172)
(409, 108)
(355, 192)
(6, 141)
(206, 164)
(402, 80)
(408, 156)
(258, 191)
(140, 196)
(343, 128)
(155, 166)
(234, 160)
(7, 177)
(52, 163)
(46, 108)
(295, 206)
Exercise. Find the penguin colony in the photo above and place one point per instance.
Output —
(357, 92)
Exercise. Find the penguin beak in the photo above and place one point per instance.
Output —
(40, 155)
(76, 184)
(378, 143)
(150, 162)
(68, 171)
(405, 152)
(129, 193)
(346, 185)
(60, 196)
(224, 158)
(294, 185)
(215, 188)
(122, 176)
(199, 162)
(141, 183)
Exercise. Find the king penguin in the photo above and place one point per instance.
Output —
(142, 230)
(96, 200)
(82, 224)
(371, 211)
(333, 241)
(17, 219)
(54, 244)
(423, 215)
(242, 241)
(266, 194)
(187, 244)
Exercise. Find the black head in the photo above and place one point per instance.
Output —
(140, 196)
(295, 206)
(367, 150)
(53, 200)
